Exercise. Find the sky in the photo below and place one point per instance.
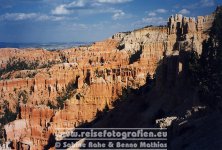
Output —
(88, 20)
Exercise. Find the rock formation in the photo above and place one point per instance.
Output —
(87, 79)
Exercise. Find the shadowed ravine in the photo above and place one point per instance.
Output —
(153, 77)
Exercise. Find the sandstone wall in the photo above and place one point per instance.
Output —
(100, 72)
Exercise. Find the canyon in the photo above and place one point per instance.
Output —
(50, 90)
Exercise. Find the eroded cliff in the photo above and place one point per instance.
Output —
(49, 90)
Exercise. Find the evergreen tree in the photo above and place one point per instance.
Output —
(211, 64)
(207, 71)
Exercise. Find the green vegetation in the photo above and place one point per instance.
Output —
(51, 105)
(18, 75)
(148, 26)
(16, 64)
(70, 91)
(32, 74)
(9, 116)
(63, 58)
(194, 66)
(48, 64)
(206, 70)
(23, 96)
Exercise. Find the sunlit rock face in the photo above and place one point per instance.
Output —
(90, 78)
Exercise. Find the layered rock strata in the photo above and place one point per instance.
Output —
(98, 75)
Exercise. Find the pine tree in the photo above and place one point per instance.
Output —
(207, 71)
(211, 63)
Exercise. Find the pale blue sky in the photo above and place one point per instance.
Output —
(88, 20)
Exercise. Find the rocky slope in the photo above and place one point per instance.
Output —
(46, 90)
(172, 101)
